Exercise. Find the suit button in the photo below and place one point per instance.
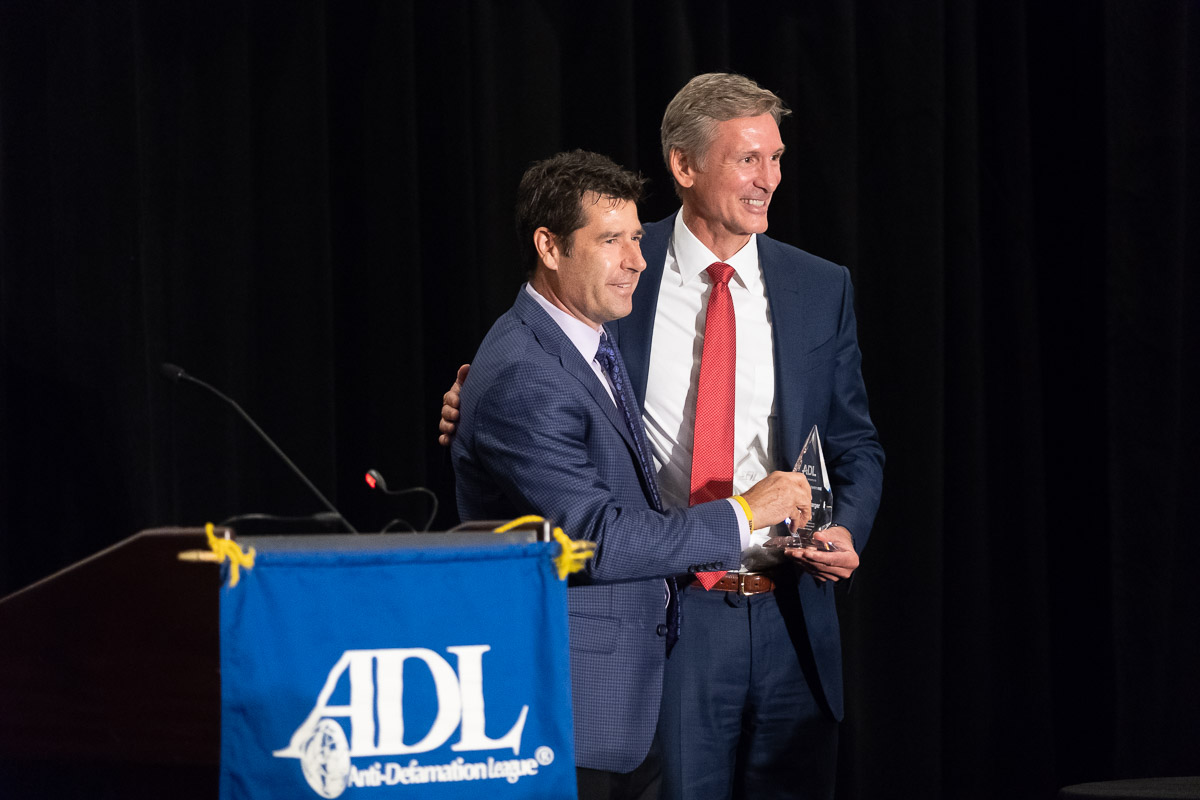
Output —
(661, 630)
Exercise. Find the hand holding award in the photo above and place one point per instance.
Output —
(812, 464)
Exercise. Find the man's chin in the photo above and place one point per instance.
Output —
(620, 310)
(757, 224)
(752, 223)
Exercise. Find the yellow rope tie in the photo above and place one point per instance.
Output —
(227, 548)
(518, 522)
(573, 554)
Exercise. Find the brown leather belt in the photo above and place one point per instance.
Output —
(744, 583)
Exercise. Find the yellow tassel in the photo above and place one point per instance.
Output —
(227, 548)
(573, 554)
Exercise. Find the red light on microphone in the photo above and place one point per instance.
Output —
(370, 480)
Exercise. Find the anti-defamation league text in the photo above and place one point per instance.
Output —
(391, 773)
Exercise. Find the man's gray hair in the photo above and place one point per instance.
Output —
(690, 121)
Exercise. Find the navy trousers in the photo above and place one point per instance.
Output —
(738, 716)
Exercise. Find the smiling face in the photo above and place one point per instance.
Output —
(727, 192)
(594, 281)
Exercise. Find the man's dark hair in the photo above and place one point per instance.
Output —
(553, 191)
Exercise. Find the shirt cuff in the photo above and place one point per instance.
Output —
(743, 522)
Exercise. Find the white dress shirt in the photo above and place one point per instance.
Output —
(674, 374)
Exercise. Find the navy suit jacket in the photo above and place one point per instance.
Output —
(539, 434)
(818, 381)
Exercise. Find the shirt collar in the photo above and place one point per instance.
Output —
(693, 257)
(585, 338)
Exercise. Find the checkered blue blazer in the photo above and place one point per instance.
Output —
(540, 435)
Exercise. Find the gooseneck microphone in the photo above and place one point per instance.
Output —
(177, 374)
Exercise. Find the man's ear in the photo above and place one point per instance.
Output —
(682, 168)
(547, 247)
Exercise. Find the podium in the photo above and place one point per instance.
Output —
(111, 670)
(109, 677)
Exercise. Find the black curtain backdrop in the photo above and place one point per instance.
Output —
(309, 204)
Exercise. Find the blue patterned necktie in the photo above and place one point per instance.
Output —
(606, 355)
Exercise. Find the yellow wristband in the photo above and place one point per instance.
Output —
(746, 507)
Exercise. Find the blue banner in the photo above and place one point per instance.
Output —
(438, 672)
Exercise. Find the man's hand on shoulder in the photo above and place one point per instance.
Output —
(450, 408)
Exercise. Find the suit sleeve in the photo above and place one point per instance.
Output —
(855, 454)
(551, 454)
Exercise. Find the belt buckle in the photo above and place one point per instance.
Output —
(742, 590)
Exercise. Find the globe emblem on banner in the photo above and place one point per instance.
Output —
(326, 759)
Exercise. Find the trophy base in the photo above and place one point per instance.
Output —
(800, 543)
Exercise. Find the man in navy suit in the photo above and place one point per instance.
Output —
(753, 690)
(550, 426)
(751, 706)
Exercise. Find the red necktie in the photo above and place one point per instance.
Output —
(712, 446)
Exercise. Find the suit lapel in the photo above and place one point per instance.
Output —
(555, 343)
(787, 288)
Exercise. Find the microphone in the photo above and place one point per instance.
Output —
(176, 374)
(375, 480)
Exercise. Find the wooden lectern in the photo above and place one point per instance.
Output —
(109, 681)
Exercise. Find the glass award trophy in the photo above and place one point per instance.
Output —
(812, 463)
